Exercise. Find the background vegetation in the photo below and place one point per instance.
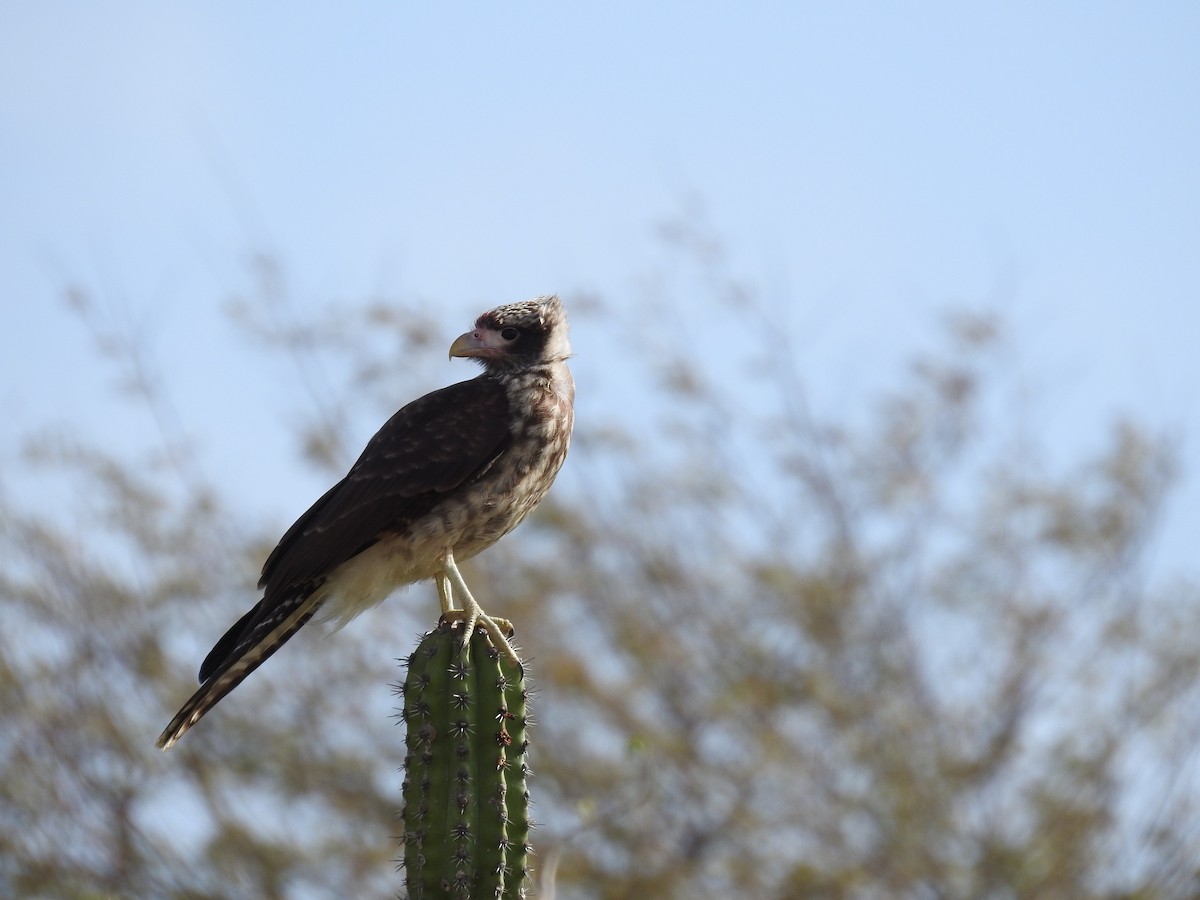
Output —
(892, 652)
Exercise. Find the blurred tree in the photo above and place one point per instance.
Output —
(891, 655)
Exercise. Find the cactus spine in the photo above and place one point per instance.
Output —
(466, 806)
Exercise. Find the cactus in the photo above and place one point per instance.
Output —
(466, 807)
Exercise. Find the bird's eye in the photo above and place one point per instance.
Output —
(509, 334)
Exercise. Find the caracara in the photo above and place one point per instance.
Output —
(444, 479)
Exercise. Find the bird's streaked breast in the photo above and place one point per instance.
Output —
(471, 519)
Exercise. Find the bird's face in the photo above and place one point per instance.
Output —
(517, 336)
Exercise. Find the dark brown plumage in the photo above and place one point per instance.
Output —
(445, 478)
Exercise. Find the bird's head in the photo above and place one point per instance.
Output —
(517, 336)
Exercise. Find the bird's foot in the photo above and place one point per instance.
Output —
(450, 582)
(498, 630)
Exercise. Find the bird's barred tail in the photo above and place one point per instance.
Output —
(251, 652)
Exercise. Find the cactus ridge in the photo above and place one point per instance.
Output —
(466, 800)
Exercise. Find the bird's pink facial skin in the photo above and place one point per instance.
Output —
(482, 342)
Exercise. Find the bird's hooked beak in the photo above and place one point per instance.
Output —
(481, 342)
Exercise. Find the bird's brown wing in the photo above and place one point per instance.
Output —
(429, 448)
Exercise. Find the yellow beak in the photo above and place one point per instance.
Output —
(469, 344)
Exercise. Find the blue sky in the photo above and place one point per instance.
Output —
(869, 164)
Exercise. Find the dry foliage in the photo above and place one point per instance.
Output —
(890, 655)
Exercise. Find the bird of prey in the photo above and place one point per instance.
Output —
(445, 478)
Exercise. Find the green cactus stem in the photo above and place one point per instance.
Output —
(466, 806)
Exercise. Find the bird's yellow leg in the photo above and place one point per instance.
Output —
(472, 613)
(445, 594)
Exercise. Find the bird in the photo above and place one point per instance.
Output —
(445, 478)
